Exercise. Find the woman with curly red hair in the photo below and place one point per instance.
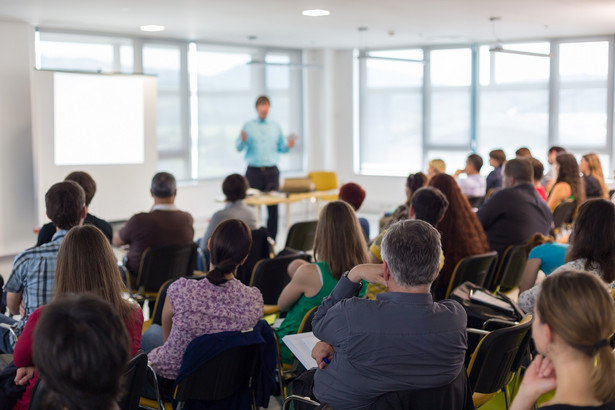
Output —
(461, 231)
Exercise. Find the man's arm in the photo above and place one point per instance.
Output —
(240, 142)
(117, 240)
(490, 210)
(13, 300)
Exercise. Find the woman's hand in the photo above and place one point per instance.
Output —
(24, 375)
(539, 379)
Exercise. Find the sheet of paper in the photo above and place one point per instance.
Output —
(301, 346)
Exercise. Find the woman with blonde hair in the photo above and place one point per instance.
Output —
(85, 264)
(338, 247)
(591, 168)
(575, 318)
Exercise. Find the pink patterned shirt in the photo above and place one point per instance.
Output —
(199, 308)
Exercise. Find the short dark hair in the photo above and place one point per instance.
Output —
(164, 185)
(538, 168)
(476, 161)
(498, 155)
(521, 170)
(80, 350)
(263, 99)
(86, 182)
(523, 152)
(556, 149)
(353, 194)
(234, 187)
(64, 202)
(429, 204)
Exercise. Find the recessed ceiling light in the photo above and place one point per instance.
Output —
(152, 27)
(316, 13)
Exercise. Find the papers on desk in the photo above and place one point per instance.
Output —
(301, 346)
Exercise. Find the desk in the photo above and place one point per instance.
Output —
(277, 198)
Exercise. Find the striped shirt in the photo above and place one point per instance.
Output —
(33, 273)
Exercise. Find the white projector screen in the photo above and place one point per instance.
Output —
(98, 119)
(103, 124)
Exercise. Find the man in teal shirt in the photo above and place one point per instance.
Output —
(263, 141)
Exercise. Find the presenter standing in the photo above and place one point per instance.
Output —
(263, 141)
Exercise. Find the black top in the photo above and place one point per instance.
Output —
(592, 187)
(511, 215)
(494, 179)
(607, 406)
(47, 231)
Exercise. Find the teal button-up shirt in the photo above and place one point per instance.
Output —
(265, 142)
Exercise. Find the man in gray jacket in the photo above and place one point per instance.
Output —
(401, 341)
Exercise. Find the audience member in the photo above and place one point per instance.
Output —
(436, 166)
(82, 372)
(413, 183)
(402, 341)
(544, 254)
(234, 188)
(474, 185)
(30, 284)
(88, 184)
(523, 152)
(592, 247)
(549, 179)
(86, 264)
(516, 212)
(354, 195)
(497, 158)
(575, 319)
(591, 168)
(164, 225)
(462, 233)
(568, 184)
(338, 246)
(217, 303)
(539, 169)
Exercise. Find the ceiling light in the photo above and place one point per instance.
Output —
(316, 13)
(152, 27)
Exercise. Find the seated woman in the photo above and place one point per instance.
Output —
(85, 264)
(544, 254)
(338, 247)
(354, 195)
(575, 318)
(539, 170)
(435, 167)
(414, 182)
(568, 184)
(497, 158)
(234, 187)
(591, 168)
(592, 247)
(217, 303)
(462, 233)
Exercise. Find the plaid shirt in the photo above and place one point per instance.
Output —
(33, 273)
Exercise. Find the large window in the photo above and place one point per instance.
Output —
(205, 93)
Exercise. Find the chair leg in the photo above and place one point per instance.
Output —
(158, 399)
(506, 397)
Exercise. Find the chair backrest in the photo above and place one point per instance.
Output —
(134, 377)
(301, 236)
(455, 395)
(474, 269)
(261, 249)
(323, 180)
(220, 377)
(563, 213)
(168, 262)
(306, 323)
(496, 356)
(270, 276)
(510, 269)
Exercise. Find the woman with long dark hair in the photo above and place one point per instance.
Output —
(461, 231)
(569, 184)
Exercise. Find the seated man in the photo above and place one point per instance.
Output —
(402, 341)
(30, 284)
(85, 371)
(164, 225)
(516, 212)
(474, 185)
(89, 186)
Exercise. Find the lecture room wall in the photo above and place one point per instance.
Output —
(328, 134)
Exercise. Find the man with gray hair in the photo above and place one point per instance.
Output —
(401, 341)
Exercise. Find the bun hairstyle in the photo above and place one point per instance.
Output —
(229, 245)
(581, 311)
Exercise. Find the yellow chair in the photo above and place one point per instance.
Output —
(324, 180)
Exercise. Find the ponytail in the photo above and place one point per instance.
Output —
(602, 379)
(217, 275)
(229, 246)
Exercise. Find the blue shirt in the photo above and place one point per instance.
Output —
(551, 256)
(33, 274)
(265, 142)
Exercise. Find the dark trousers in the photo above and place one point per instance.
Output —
(266, 179)
(303, 386)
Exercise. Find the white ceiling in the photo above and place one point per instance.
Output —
(280, 23)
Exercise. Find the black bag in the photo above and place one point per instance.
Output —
(9, 391)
